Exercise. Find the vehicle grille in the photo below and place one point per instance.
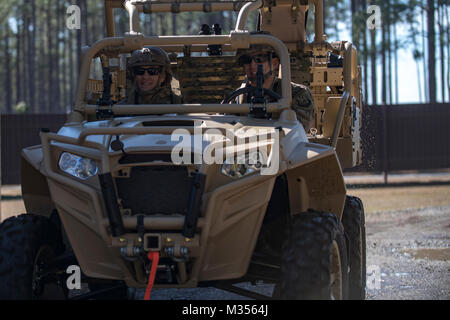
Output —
(156, 190)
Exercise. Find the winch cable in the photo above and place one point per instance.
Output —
(154, 257)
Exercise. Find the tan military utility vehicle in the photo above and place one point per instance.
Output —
(203, 193)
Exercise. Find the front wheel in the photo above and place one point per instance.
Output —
(27, 244)
(314, 259)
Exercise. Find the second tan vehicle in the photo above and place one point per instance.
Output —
(201, 193)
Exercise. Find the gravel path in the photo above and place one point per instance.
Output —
(412, 251)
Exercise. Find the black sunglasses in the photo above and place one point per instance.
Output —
(150, 71)
(259, 58)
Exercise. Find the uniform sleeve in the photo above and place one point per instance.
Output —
(303, 105)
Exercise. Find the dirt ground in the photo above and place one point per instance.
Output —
(408, 244)
(403, 197)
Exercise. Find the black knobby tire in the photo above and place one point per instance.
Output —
(26, 243)
(355, 231)
(315, 242)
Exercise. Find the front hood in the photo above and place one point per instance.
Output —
(242, 127)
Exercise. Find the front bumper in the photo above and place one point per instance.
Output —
(212, 240)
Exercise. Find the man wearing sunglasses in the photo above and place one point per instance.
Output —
(149, 68)
(302, 100)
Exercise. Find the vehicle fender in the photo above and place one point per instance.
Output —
(315, 179)
(35, 191)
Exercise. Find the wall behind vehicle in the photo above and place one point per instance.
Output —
(405, 137)
(19, 131)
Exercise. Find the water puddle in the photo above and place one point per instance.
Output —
(441, 254)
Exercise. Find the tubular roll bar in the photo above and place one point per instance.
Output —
(135, 6)
(239, 38)
(349, 60)
(236, 39)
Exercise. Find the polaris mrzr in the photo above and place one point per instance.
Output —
(105, 193)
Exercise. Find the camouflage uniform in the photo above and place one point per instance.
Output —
(302, 102)
(162, 93)
(159, 95)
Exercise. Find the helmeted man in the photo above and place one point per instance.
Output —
(302, 100)
(150, 70)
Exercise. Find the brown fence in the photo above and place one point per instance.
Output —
(405, 137)
(18, 132)
(397, 137)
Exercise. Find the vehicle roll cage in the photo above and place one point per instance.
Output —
(239, 38)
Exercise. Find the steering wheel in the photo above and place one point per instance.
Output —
(252, 92)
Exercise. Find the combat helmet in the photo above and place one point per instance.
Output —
(150, 56)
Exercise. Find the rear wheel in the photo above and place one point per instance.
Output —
(355, 231)
(27, 244)
(314, 259)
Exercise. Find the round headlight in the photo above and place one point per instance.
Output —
(243, 165)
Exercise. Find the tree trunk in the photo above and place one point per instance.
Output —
(424, 52)
(24, 59)
(441, 47)
(57, 60)
(162, 24)
(431, 51)
(174, 23)
(42, 96)
(148, 24)
(336, 19)
(383, 63)
(389, 56)
(65, 70)
(18, 71)
(354, 27)
(373, 73)
(221, 20)
(365, 58)
(79, 41)
(50, 58)
(84, 22)
(71, 68)
(448, 51)
(7, 79)
(395, 61)
(32, 59)
(231, 20)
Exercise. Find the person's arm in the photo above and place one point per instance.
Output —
(303, 105)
